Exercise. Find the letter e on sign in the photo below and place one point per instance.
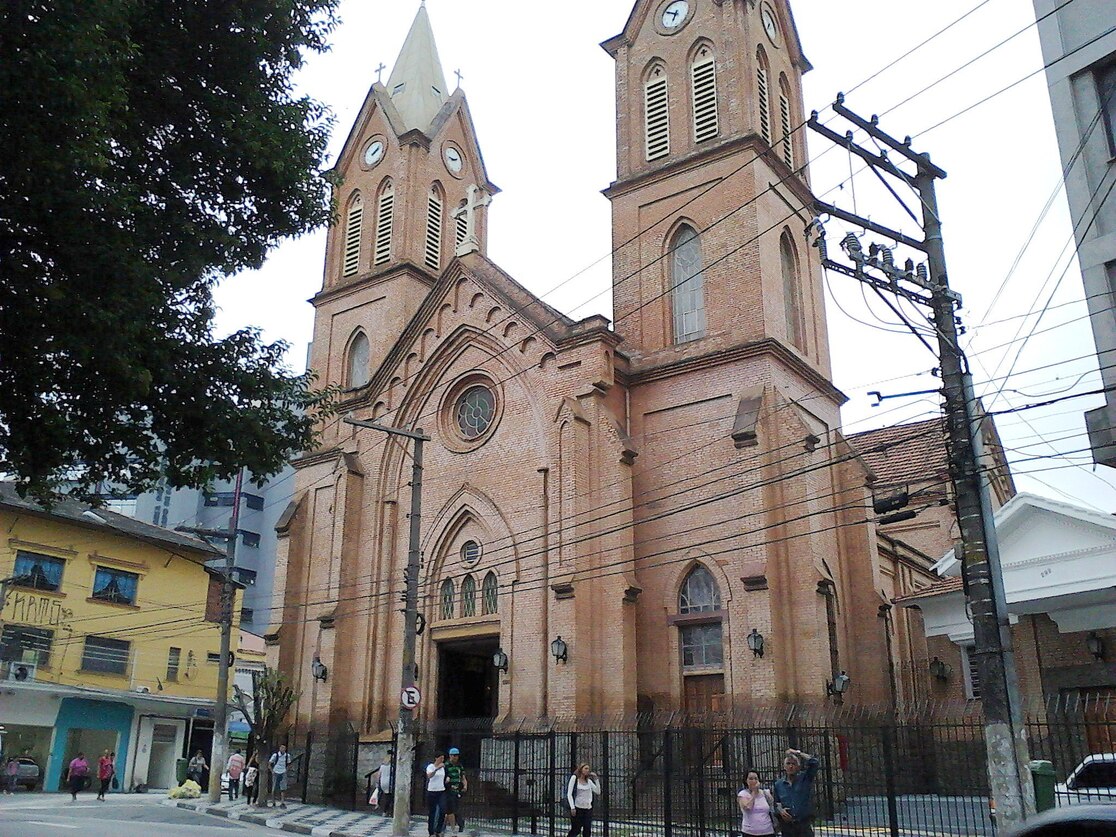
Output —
(409, 698)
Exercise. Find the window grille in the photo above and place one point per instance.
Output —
(469, 596)
(657, 118)
(763, 94)
(105, 655)
(384, 213)
(174, 657)
(784, 117)
(19, 640)
(433, 231)
(351, 261)
(491, 594)
(704, 81)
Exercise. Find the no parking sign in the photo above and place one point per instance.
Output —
(409, 698)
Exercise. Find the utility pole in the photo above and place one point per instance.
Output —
(219, 751)
(405, 737)
(927, 285)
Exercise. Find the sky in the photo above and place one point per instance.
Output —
(541, 93)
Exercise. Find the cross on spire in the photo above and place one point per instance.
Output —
(459, 76)
(380, 70)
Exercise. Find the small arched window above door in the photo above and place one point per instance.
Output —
(447, 598)
(469, 596)
(490, 594)
(699, 592)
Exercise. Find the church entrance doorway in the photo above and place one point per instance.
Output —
(468, 683)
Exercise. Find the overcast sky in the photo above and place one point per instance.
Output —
(541, 93)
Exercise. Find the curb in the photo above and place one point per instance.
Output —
(257, 819)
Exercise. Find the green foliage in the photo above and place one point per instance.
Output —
(265, 712)
(152, 146)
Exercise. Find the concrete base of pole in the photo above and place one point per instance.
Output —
(1012, 791)
(404, 772)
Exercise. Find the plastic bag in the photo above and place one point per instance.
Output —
(374, 798)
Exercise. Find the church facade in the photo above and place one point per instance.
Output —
(622, 509)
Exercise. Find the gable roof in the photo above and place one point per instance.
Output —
(911, 453)
(70, 511)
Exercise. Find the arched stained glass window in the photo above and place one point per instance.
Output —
(792, 297)
(447, 598)
(490, 593)
(359, 356)
(687, 286)
(469, 596)
(699, 592)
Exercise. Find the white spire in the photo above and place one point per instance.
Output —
(417, 85)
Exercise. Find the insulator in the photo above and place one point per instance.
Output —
(851, 244)
(823, 248)
(888, 256)
(922, 273)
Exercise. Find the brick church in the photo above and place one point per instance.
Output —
(624, 509)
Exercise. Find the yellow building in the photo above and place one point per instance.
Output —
(109, 640)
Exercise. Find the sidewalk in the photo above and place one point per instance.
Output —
(317, 820)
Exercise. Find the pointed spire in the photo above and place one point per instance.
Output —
(417, 84)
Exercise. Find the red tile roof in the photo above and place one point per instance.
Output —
(910, 454)
(950, 584)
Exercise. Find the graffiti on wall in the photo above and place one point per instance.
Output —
(37, 610)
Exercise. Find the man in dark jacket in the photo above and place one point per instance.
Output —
(794, 794)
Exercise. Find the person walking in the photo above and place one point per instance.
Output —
(78, 771)
(435, 796)
(456, 785)
(580, 791)
(794, 794)
(279, 763)
(234, 767)
(386, 796)
(252, 781)
(195, 770)
(105, 770)
(757, 807)
(11, 775)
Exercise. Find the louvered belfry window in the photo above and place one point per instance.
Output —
(461, 230)
(433, 257)
(351, 259)
(785, 124)
(764, 96)
(656, 116)
(703, 78)
(384, 216)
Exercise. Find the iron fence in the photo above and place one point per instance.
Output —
(921, 774)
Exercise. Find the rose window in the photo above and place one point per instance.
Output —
(475, 411)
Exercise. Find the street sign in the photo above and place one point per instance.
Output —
(409, 698)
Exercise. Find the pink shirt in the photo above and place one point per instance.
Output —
(756, 821)
(79, 767)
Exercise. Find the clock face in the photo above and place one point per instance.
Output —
(769, 25)
(454, 160)
(674, 15)
(374, 153)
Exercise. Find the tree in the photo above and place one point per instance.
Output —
(152, 147)
(265, 711)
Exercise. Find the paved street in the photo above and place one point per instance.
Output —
(131, 815)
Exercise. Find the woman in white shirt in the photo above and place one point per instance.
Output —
(757, 808)
(580, 791)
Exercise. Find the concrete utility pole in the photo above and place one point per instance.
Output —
(405, 736)
(219, 753)
(928, 285)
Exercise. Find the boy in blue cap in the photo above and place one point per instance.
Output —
(456, 785)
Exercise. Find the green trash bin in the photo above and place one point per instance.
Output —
(180, 766)
(1042, 774)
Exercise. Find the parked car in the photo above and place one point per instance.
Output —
(30, 774)
(1078, 821)
(1091, 782)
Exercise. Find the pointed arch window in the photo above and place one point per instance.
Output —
(786, 142)
(447, 598)
(358, 372)
(490, 593)
(350, 262)
(763, 96)
(656, 115)
(385, 211)
(687, 286)
(792, 295)
(703, 92)
(468, 596)
(701, 639)
(434, 212)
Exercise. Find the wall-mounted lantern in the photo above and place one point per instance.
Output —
(318, 669)
(940, 669)
(1095, 645)
(559, 650)
(839, 685)
(500, 661)
(755, 643)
